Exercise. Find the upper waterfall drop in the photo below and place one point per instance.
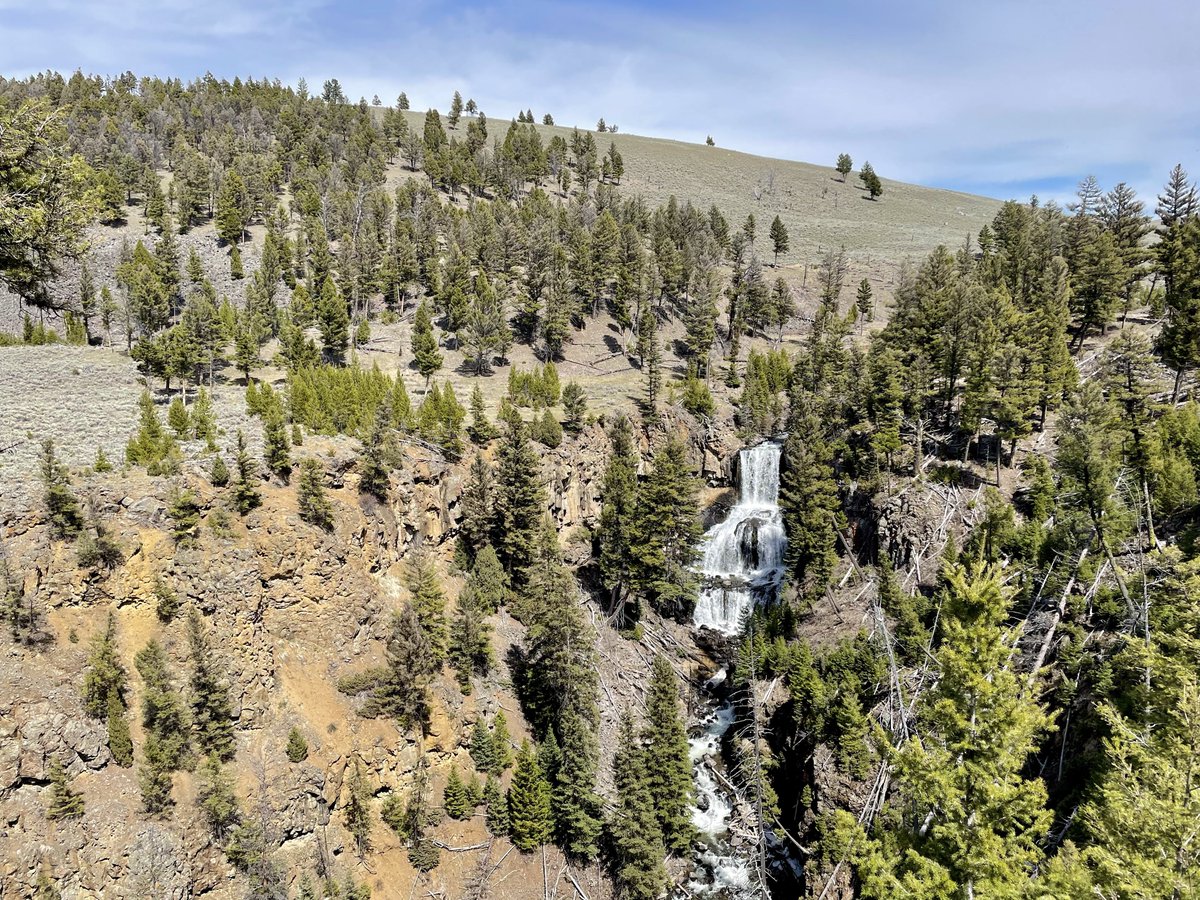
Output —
(742, 557)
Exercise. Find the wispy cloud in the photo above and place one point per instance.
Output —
(1001, 98)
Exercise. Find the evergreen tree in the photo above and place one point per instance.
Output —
(529, 816)
(219, 473)
(808, 496)
(428, 601)
(666, 530)
(297, 746)
(454, 798)
(576, 805)
(481, 431)
(519, 501)
(378, 457)
(233, 208)
(276, 446)
(334, 319)
(845, 165)
(120, 743)
(479, 519)
(411, 663)
(497, 808)
(245, 495)
(62, 509)
(65, 803)
(313, 505)
(424, 345)
(104, 691)
(163, 713)
(501, 744)
(618, 503)
(482, 750)
(966, 821)
(574, 402)
(184, 511)
(638, 850)
(670, 778)
(871, 182)
(863, 302)
(215, 796)
(358, 811)
(212, 712)
(470, 649)
(779, 238)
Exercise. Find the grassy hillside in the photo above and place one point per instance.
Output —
(817, 208)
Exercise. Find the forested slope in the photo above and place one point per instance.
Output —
(371, 566)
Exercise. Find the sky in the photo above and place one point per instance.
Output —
(1006, 99)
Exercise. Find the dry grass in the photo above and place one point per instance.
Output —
(817, 208)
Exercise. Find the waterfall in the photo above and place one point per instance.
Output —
(743, 556)
(742, 563)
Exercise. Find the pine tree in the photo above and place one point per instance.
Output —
(219, 473)
(334, 319)
(666, 530)
(184, 511)
(811, 507)
(479, 518)
(424, 345)
(212, 712)
(501, 744)
(520, 500)
(164, 715)
(988, 820)
(358, 811)
(378, 457)
(638, 850)
(871, 182)
(482, 750)
(245, 495)
(497, 808)
(454, 798)
(863, 302)
(470, 650)
(428, 601)
(411, 663)
(670, 778)
(618, 502)
(574, 402)
(576, 805)
(62, 509)
(65, 803)
(779, 238)
(233, 208)
(120, 744)
(529, 814)
(215, 796)
(481, 430)
(177, 417)
(276, 445)
(297, 746)
(153, 443)
(845, 165)
(313, 505)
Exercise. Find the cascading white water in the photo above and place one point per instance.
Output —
(743, 556)
(742, 562)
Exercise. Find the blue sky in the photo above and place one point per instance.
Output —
(1002, 98)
